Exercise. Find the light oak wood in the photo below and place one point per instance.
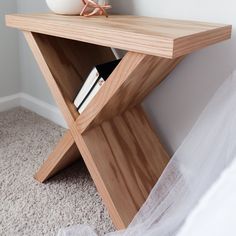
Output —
(70, 63)
(129, 159)
(134, 78)
(62, 101)
(65, 64)
(121, 151)
(152, 36)
(64, 154)
(103, 183)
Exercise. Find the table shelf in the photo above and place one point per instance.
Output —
(70, 63)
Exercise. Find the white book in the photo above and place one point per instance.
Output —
(89, 83)
(95, 90)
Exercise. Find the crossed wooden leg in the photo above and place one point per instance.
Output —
(121, 151)
(64, 154)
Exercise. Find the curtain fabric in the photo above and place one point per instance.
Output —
(216, 212)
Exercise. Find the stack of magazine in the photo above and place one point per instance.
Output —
(93, 84)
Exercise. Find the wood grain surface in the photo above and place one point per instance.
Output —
(63, 155)
(127, 139)
(70, 63)
(134, 78)
(152, 36)
(129, 158)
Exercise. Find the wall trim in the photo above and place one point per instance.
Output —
(33, 104)
(9, 102)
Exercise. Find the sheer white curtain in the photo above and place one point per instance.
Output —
(206, 152)
(216, 212)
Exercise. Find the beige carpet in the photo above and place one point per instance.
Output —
(28, 208)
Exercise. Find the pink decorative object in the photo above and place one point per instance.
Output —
(92, 8)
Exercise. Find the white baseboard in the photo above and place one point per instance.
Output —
(9, 102)
(44, 109)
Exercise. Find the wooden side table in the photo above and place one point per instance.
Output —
(121, 151)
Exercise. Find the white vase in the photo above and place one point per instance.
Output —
(65, 7)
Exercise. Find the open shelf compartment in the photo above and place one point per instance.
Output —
(70, 63)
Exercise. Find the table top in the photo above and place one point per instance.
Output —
(153, 36)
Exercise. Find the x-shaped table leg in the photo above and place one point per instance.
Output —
(121, 151)
(64, 154)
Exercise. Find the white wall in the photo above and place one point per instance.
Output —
(176, 104)
(32, 81)
(9, 63)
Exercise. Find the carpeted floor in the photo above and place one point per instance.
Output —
(28, 208)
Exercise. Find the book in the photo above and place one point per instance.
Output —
(92, 85)
(90, 81)
(91, 95)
